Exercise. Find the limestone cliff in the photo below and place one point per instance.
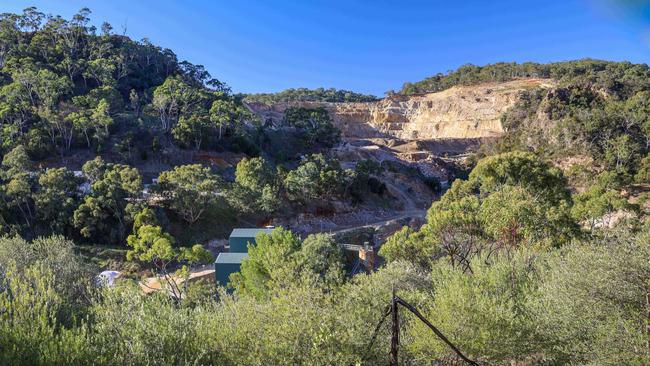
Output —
(458, 112)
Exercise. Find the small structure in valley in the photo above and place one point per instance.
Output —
(229, 262)
(240, 238)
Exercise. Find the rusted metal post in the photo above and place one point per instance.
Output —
(394, 342)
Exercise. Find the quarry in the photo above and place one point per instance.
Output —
(429, 135)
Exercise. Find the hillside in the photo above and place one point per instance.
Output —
(506, 204)
(458, 112)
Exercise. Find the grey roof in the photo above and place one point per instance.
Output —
(231, 258)
(249, 232)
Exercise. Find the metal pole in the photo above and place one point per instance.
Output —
(394, 342)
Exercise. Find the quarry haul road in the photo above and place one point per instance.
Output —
(385, 221)
(410, 211)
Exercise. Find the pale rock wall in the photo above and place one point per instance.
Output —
(458, 112)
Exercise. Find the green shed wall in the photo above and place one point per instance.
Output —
(240, 244)
(222, 272)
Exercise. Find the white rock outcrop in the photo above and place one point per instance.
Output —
(458, 112)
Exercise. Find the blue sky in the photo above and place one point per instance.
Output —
(367, 46)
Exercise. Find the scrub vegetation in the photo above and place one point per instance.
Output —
(538, 257)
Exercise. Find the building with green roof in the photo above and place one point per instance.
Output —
(227, 264)
(241, 237)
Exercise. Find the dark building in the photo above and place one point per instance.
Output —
(226, 264)
(240, 238)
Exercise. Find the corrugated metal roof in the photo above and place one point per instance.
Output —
(249, 232)
(231, 258)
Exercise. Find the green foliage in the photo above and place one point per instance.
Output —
(593, 303)
(643, 173)
(318, 178)
(192, 130)
(55, 255)
(611, 76)
(228, 113)
(499, 208)
(408, 245)
(57, 198)
(189, 190)
(17, 189)
(484, 313)
(520, 169)
(592, 206)
(150, 244)
(131, 329)
(512, 217)
(320, 261)
(314, 125)
(599, 110)
(30, 333)
(105, 210)
(584, 304)
(310, 95)
(280, 260)
(69, 86)
(145, 217)
(267, 263)
(256, 186)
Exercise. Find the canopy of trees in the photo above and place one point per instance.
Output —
(515, 265)
(309, 95)
(66, 85)
(609, 75)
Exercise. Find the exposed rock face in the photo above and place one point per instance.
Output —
(458, 112)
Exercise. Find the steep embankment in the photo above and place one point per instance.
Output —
(458, 112)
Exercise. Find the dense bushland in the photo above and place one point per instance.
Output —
(310, 95)
(521, 263)
(502, 287)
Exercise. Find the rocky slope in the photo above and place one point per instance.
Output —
(459, 112)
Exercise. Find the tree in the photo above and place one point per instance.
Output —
(222, 114)
(314, 124)
(71, 275)
(115, 188)
(17, 189)
(280, 260)
(151, 244)
(227, 113)
(102, 119)
(101, 70)
(192, 130)
(483, 313)
(407, 245)
(520, 169)
(256, 187)
(30, 331)
(189, 190)
(511, 217)
(320, 261)
(643, 171)
(92, 122)
(455, 230)
(592, 206)
(593, 302)
(172, 99)
(167, 103)
(266, 263)
(56, 198)
(510, 200)
(145, 217)
(318, 178)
